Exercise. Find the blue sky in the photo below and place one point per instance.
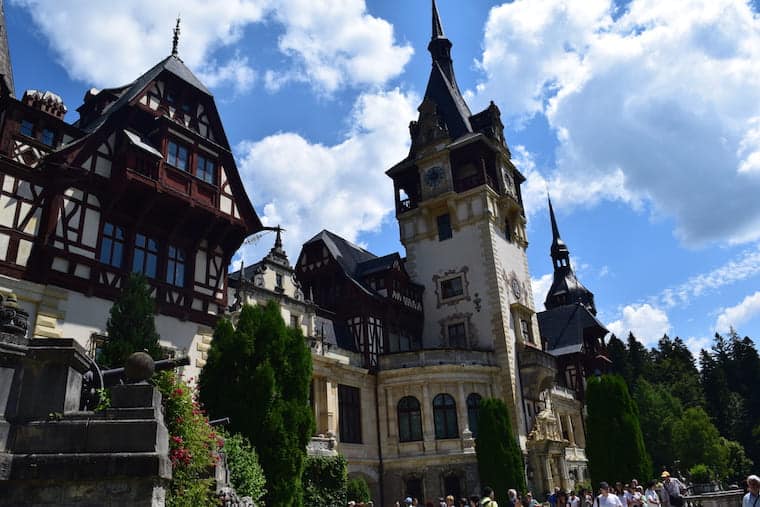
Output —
(641, 118)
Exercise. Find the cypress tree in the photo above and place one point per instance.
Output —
(500, 462)
(131, 326)
(258, 374)
(613, 418)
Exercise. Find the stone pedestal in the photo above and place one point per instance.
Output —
(53, 454)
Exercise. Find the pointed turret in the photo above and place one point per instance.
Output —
(443, 102)
(277, 253)
(6, 70)
(566, 289)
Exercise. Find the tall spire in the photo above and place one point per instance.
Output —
(6, 70)
(559, 250)
(566, 289)
(440, 48)
(175, 39)
(437, 27)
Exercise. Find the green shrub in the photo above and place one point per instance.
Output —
(700, 474)
(246, 474)
(324, 481)
(500, 462)
(357, 490)
(193, 445)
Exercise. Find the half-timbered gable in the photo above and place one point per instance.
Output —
(144, 181)
(371, 298)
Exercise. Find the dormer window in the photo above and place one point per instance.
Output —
(27, 128)
(177, 155)
(206, 169)
(48, 137)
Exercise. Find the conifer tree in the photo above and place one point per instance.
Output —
(131, 326)
(613, 418)
(500, 462)
(258, 374)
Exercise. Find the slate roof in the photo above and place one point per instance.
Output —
(564, 327)
(348, 255)
(171, 64)
(451, 105)
(376, 265)
(6, 69)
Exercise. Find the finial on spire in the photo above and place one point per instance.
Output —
(175, 40)
(278, 239)
(437, 27)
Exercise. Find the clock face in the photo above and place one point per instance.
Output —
(516, 288)
(434, 176)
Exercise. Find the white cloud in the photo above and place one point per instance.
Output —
(331, 44)
(111, 43)
(541, 286)
(338, 44)
(659, 104)
(695, 344)
(735, 316)
(236, 71)
(746, 265)
(647, 323)
(343, 188)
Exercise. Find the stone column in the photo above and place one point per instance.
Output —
(428, 428)
(570, 429)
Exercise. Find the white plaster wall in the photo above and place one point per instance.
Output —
(86, 315)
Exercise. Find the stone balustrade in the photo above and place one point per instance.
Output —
(731, 498)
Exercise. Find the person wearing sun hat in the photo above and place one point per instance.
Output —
(673, 489)
(605, 499)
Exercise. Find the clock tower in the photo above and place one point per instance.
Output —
(462, 223)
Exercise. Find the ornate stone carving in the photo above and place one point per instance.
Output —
(13, 319)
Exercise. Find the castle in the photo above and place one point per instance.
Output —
(404, 346)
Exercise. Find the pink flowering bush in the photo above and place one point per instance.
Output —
(193, 444)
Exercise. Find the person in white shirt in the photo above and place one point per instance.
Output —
(753, 495)
(651, 496)
(574, 500)
(605, 499)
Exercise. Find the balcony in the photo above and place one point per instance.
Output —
(537, 370)
(435, 357)
(405, 205)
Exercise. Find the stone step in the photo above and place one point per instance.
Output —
(84, 466)
(90, 436)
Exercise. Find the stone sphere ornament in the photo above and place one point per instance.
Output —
(139, 366)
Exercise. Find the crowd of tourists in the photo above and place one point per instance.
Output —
(668, 491)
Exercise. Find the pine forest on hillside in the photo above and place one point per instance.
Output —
(703, 411)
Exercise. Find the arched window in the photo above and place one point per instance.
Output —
(473, 404)
(409, 419)
(445, 416)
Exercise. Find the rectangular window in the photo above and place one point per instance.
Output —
(349, 414)
(48, 137)
(112, 246)
(457, 335)
(206, 169)
(294, 321)
(452, 288)
(525, 329)
(278, 280)
(175, 267)
(27, 128)
(146, 256)
(177, 155)
(444, 227)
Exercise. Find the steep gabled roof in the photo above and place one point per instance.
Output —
(6, 69)
(347, 254)
(564, 328)
(376, 265)
(127, 93)
(452, 107)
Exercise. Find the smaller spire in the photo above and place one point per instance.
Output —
(437, 27)
(175, 39)
(278, 239)
(559, 251)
